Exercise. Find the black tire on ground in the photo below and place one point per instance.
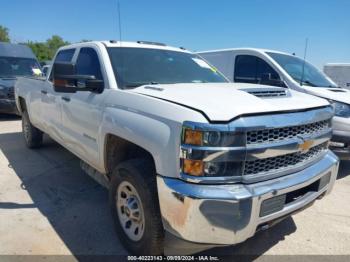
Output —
(32, 135)
(141, 175)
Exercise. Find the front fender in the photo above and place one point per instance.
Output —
(159, 136)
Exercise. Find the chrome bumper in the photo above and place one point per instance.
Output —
(340, 142)
(230, 214)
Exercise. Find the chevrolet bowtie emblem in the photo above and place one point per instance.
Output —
(305, 146)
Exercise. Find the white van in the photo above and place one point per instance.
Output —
(259, 66)
(339, 72)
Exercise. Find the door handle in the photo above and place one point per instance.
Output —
(44, 92)
(67, 99)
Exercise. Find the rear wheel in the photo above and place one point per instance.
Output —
(32, 135)
(135, 207)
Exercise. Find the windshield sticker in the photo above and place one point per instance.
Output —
(201, 63)
(36, 71)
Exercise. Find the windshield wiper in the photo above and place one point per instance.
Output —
(199, 81)
(308, 83)
(132, 85)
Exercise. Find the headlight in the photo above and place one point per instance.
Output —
(341, 109)
(204, 151)
(212, 138)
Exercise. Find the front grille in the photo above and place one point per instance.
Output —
(279, 134)
(275, 164)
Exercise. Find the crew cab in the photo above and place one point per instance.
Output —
(260, 66)
(181, 150)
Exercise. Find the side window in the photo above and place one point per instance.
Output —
(88, 63)
(63, 56)
(252, 69)
(265, 70)
(245, 69)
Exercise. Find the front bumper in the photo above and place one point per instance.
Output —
(340, 143)
(230, 214)
(8, 106)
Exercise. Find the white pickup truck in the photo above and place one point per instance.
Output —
(181, 149)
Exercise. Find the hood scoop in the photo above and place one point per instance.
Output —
(267, 92)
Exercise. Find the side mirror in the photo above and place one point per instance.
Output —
(272, 80)
(65, 79)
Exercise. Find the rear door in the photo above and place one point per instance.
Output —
(82, 111)
(51, 101)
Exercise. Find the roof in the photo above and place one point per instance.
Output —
(139, 44)
(16, 50)
(337, 64)
(260, 50)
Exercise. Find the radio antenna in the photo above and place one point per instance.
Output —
(119, 22)
(303, 70)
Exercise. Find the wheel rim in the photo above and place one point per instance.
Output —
(25, 126)
(130, 211)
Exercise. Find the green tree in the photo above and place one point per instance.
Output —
(54, 43)
(40, 50)
(4, 34)
(46, 50)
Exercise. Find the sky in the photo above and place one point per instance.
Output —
(195, 24)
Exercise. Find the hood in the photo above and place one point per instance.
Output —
(7, 82)
(224, 101)
(336, 94)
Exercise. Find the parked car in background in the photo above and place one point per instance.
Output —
(15, 60)
(267, 67)
(182, 150)
(339, 73)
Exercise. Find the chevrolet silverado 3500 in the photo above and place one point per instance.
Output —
(181, 149)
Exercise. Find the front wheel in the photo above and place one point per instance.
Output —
(135, 207)
(32, 135)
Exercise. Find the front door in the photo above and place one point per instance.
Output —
(82, 111)
(51, 101)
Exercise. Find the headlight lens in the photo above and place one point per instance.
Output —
(211, 138)
(193, 167)
(341, 109)
(193, 137)
(204, 151)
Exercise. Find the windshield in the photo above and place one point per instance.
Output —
(294, 67)
(17, 66)
(134, 67)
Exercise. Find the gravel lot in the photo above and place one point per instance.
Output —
(48, 206)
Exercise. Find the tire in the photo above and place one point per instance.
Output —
(33, 137)
(149, 239)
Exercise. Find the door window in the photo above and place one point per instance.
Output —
(252, 69)
(245, 69)
(88, 63)
(63, 56)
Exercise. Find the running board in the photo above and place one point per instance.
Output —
(94, 174)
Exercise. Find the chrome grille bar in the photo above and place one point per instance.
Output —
(275, 164)
(278, 134)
